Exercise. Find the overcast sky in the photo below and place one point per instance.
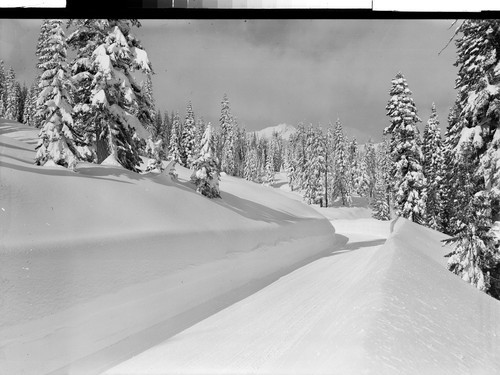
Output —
(283, 71)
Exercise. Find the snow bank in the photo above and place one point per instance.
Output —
(365, 309)
(428, 320)
(101, 263)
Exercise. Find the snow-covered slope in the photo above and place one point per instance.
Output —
(101, 263)
(284, 130)
(370, 308)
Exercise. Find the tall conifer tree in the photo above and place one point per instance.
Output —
(409, 184)
(473, 145)
(57, 136)
(433, 169)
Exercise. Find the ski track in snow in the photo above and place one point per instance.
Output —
(306, 322)
(369, 308)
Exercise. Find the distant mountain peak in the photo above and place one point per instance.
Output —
(284, 130)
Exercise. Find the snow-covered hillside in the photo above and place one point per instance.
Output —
(369, 308)
(284, 130)
(103, 260)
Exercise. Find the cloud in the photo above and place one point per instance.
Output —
(18, 40)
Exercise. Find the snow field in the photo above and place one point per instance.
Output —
(369, 308)
(99, 264)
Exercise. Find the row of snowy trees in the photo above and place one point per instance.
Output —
(13, 96)
(452, 184)
(327, 167)
(238, 153)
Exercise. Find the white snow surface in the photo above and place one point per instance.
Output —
(369, 308)
(99, 264)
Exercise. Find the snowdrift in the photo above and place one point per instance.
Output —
(365, 309)
(101, 263)
(428, 320)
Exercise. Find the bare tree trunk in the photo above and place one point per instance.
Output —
(326, 178)
(102, 151)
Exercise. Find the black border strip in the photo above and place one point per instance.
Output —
(112, 9)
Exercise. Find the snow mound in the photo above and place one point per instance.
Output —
(50, 163)
(428, 321)
(111, 160)
(96, 260)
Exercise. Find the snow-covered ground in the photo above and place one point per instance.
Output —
(101, 263)
(106, 271)
(369, 308)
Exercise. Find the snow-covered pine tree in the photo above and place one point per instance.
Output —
(187, 141)
(269, 168)
(340, 184)
(150, 105)
(109, 104)
(167, 128)
(225, 121)
(198, 134)
(449, 213)
(175, 140)
(409, 182)
(206, 171)
(3, 89)
(226, 152)
(241, 136)
(370, 161)
(474, 138)
(357, 169)
(42, 42)
(475, 254)
(88, 34)
(381, 194)
(228, 164)
(314, 178)
(298, 143)
(23, 93)
(12, 96)
(42, 58)
(381, 209)
(251, 172)
(361, 178)
(157, 126)
(115, 93)
(433, 163)
(30, 104)
(155, 148)
(277, 147)
(330, 163)
(57, 136)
